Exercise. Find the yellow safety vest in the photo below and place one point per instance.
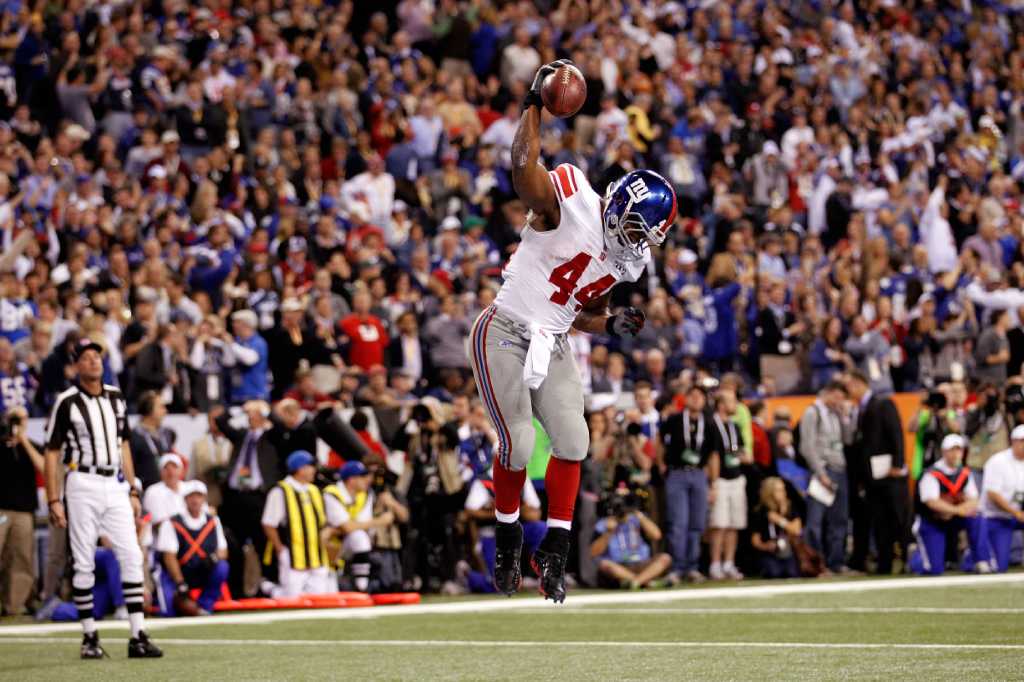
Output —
(303, 522)
(357, 503)
(353, 509)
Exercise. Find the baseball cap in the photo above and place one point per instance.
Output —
(450, 223)
(86, 344)
(171, 458)
(192, 488)
(686, 257)
(296, 244)
(299, 459)
(170, 136)
(354, 468)
(953, 440)
(1017, 433)
(770, 148)
(291, 305)
(246, 316)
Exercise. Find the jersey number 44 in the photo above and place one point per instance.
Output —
(566, 275)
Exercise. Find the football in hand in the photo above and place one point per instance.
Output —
(564, 91)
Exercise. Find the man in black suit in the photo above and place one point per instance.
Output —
(879, 433)
(253, 470)
(159, 366)
(150, 439)
(408, 352)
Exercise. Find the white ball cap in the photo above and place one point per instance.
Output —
(1017, 433)
(953, 440)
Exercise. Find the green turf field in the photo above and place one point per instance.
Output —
(973, 631)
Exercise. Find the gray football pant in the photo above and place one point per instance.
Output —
(497, 351)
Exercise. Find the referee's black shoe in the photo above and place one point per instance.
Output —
(91, 647)
(508, 542)
(141, 647)
(549, 564)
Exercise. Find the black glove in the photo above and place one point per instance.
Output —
(533, 96)
(629, 322)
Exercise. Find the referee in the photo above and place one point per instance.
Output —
(88, 433)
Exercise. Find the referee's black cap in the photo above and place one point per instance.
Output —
(84, 345)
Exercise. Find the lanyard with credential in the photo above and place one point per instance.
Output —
(726, 432)
(686, 432)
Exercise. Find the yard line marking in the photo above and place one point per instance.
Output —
(782, 610)
(495, 604)
(505, 644)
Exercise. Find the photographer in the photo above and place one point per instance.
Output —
(19, 462)
(933, 422)
(386, 558)
(436, 490)
(352, 514)
(988, 426)
(632, 454)
(774, 530)
(623, 546)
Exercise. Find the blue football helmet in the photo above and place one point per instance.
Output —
(639, 210)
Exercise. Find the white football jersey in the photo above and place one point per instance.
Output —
(553, 274)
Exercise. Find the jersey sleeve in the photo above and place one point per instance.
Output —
(273, 511)
(929, 488)
(335, 511)
(566, 179)
(60, 422)
(166, 539)
(222, 541)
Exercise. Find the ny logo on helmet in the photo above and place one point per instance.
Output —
(638, 190)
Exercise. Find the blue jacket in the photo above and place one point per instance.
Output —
(250, 382)
(722, 338)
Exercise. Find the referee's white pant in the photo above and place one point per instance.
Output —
(99, 505)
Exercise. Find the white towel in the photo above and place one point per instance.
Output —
(538, 357)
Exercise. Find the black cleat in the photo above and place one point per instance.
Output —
(91, 648)
(549, 564)
(141, 647)
(508, 540)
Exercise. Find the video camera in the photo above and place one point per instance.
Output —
(8, 423)
(383, 479)
(622, 502)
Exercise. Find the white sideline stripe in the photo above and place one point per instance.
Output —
(496, 603)
(782, 610)
(534, 644)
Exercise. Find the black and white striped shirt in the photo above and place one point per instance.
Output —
(88, 429)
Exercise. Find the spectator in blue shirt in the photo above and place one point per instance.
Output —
(248, 356)
(623, 546)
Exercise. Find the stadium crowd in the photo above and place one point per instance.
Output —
(298, 209)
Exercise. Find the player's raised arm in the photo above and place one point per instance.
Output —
(529, 177)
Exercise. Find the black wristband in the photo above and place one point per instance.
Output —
(609, 326)
(532, 99)
(52, 502)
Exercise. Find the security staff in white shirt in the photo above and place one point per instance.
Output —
(349, 509)
(1003, 497)
(948, 503)
(163, 500)
(293, 520)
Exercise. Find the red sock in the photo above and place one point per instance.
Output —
(562, 483)
(508, 487)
